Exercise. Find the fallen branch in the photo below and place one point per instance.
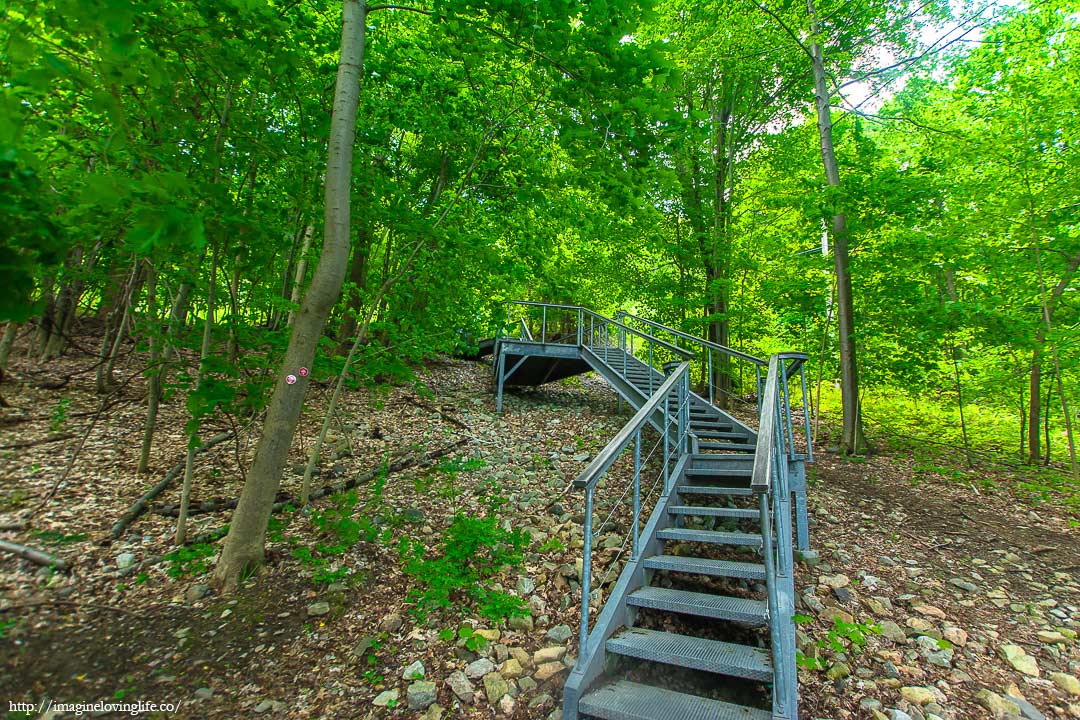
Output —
(72, 603)
(140, 505)
(39, 441)
(38, 557)
(401, 462)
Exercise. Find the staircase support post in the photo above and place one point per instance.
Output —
(499, 375)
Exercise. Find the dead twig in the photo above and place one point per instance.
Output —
(38, 557)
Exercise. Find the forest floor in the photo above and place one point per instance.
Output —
(936, 593)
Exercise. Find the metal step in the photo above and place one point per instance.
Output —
(721, 607)
(719, 434)
(741, 513)
(717, 472)
(704, 566)
(713, 490)
(742, 447)
(626, 700)
(696, 653)
(710, 536)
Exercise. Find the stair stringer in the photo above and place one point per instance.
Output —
(616, 613)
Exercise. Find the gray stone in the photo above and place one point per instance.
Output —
(391, 623)
(523, 623)
(204, 693)
(386, 697)
(892, 631)
(197, 592)
(525, 586)
(479, 668)
(1020, 660)
(316, 609)
(263, 706)
(1068, 683)
(560, 633)
(461, 686)
(415, 671)
(999, 707)
(1028, 710)
(125, 560)
(421, 694)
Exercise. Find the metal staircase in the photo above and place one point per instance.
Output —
(699, 622)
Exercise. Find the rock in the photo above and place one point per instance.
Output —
(837, 671)
(549, 654)
(1029, 711)
(421, 694)
(197, 592)
(391, 623)
(542, 701)
(1068, 683)
(999, 707)
(892, 631)
(316, 609)
(1051, 637)
(479, 668)
(415, 671)
(1020, 660)
(560, 633)
(125, 560)
(930, 611)
(895, 714)
(526, 685)
(957, 636)
(832, 614)
(521, 623)
(921, 695)
(506, 705)
(361, 648)
(511, 669)
(835, 581)
(525, 586)
(495, 687)
(521, 656)
(461, 687)
(844, 595)
(810, 558)
(204, 693)
(489, 635)
(386, 697)
(582, 457)
(963, 585)
(548, 671)
(433, 713)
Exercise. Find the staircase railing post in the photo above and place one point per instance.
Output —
(580, 325)
(586, 572)
(637, 493)
(786, 405)
(543, 326)
(806, 415)
(709, 378)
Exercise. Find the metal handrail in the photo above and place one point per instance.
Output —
(588, 477)
(761, 477)
(682, 352)
(701, 341)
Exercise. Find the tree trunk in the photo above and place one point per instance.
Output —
(1034, 409)
(357, 277)
(154, 380)
(193, 440)
(851, 440)
(301, 272)
(244, 546)
(10, 331)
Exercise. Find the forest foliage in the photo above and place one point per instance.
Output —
(661, 158)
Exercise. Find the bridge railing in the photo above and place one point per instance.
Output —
(663, 472)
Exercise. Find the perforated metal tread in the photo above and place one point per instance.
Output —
(719, 434)
(625, 700)
(744, 447)
(742, 513)
(712, 490)
(722, 607)
(704, 566)
(735, 472)
(710, 536)
(713, 656)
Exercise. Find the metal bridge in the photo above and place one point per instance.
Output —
(699, 622)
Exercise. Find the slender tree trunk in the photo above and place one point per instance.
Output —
(10, 331)
(234, 312)
(1046, 419)
(821, 362)
(193, 440)
(851, 440)
(1034, 409)
(244, 546)
(301, 272)
(153, 397)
